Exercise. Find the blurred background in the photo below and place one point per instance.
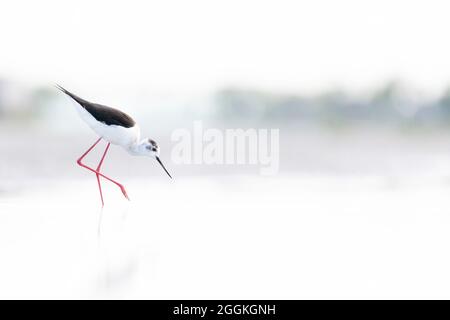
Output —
(360, 91)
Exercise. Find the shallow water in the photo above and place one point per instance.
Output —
(228, 237)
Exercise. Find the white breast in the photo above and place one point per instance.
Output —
(115, 134)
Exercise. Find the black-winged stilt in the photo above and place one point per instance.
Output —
(115, 127)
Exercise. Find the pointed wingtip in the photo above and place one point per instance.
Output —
(57, 86)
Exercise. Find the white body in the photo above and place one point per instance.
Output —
(125, 137)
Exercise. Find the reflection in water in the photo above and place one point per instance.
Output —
(321, 235)
(118, 262)
(112, 278)
(99, 228)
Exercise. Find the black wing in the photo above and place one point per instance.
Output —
(107, 115)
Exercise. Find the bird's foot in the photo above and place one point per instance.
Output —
(124, 192)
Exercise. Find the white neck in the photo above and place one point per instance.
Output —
(137, 149)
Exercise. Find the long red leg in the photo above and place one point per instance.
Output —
(89, 150)
(80, 163)
(97, 175)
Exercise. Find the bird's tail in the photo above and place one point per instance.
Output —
(70, 94)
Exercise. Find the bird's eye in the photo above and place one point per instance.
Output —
(153, 149)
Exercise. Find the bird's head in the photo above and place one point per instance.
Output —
(150, 148)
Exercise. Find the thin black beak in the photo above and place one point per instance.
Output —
(159, 160)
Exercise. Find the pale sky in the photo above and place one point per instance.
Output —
(195, 46)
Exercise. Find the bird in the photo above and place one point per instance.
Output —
(117, 128)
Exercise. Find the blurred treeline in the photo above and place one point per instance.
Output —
(393, 104)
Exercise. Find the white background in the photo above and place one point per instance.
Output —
(357, 215)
